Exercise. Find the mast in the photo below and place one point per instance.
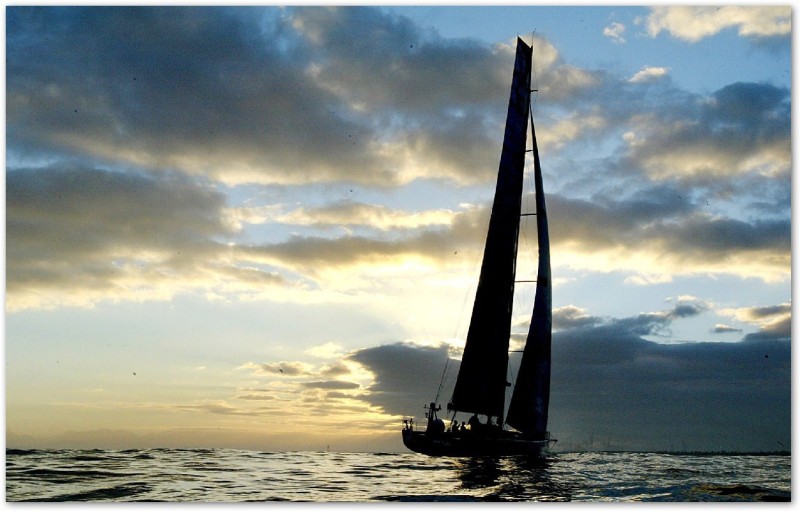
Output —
(481, 384)
(530, 401)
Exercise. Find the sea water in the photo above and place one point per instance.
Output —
(227, 475)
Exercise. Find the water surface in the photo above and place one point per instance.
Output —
(228, 475)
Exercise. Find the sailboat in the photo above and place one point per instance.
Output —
(480, 387)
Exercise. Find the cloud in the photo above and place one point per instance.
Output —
(720, 328)
(610, 384)
(218, 407)
(655, 233)
(742, 128)
(230, 106)
(405, 375)
(77, 235)
(327, 350)
(649, 74)
(693, 23)
(298, 75)
(576, 127)
(283, 368)
(344, 213)
(614, 32)
(257, 397)
(136, 236)
(250, 88)
(330, 385)
(570, 316)
(774, 322)
(661, 234)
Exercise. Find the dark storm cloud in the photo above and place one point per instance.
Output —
(613, 387)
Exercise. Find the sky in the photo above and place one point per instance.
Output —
(262, 227)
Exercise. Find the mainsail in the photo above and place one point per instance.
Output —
(481, 384)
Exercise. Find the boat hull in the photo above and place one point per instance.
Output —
(466, 444)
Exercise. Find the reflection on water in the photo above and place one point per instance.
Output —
(511, 478)
(477, 473)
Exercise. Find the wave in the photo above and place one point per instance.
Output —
(118, 492)
(228, 475)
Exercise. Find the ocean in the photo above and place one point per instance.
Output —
(228, 475)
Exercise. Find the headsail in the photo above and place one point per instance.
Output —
(530, 400)
(481, 384)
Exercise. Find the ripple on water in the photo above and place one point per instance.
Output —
(118, 492)
(220, 475)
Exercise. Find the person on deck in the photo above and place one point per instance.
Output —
(435, 424)
(474, 423)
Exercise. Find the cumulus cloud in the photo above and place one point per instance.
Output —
(741, 128)
(110, 235)
(138, 236)
(614, 32)
(774, 322)
(344, 213)
(663, 235)
(250, 88)
(693, 23)
(720, 328)
(229, 107)
(570, 316)
(406, 376)
(648, 74)
(298, 75)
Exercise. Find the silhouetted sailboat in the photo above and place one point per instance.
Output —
(481, 385)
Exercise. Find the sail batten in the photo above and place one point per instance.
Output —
(481, 384)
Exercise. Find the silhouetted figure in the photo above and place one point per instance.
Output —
(435, 424)
(474, 423)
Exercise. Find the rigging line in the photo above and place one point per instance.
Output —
(441, 382)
